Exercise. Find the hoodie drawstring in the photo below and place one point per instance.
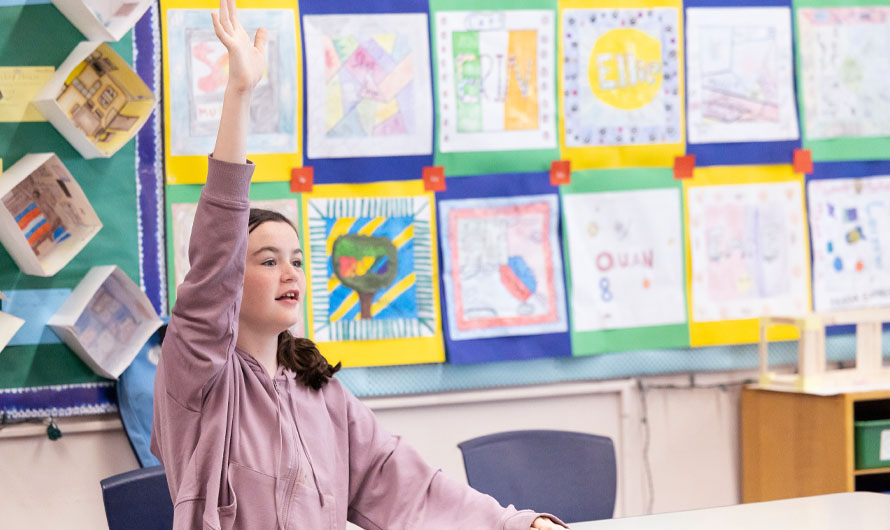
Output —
(293, 405)
(278, 514)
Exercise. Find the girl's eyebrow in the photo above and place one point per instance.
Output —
(275, 250)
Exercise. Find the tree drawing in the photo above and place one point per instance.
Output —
(365, 264)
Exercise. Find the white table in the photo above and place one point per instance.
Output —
(839, 511)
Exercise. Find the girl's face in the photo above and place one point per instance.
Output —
(274, 279)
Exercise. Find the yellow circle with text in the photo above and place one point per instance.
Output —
(625, 68)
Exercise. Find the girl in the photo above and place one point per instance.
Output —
(252, 430)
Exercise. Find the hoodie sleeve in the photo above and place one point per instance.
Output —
(204, 321)
(392, 488)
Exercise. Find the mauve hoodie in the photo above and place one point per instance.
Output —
(236, 443)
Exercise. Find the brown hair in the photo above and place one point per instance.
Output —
(295, 353)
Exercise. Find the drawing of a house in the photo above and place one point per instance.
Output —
(98, 98)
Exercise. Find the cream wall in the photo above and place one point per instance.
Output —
(692, 444)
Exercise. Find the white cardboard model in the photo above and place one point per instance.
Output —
(9, 325)
(103, 20)
(45, 218)
(106, 320)
(95, 100)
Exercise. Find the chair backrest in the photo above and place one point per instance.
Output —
(571, 475)
(138, 500)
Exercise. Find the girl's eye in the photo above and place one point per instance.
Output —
(269, 262)
(298, 263)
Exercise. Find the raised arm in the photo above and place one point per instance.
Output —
(204, 321)
(247, 62)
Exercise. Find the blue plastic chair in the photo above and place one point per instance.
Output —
(138, 500)
(571, 475)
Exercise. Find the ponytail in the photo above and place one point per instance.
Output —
(302, 356)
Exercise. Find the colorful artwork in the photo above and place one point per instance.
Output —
(48, 206)
(105, 99)
(740, 75)
(626, 256)
(495, 80)
(748, 251)
(844, 90)
(621, 77)
(198, 75)
(849, 221)
(502, 267)
(371, 94)
(372, 268)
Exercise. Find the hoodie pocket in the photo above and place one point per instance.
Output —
(255, 496)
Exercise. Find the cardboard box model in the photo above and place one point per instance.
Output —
(103, 20)
(9, 325)
(106, 320)
(95, 100)
(45, 218)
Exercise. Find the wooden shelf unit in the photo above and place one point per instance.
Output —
(795, 444)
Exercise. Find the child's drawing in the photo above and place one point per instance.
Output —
(371, 268)
(626, 257)
(740, 76)
(45, 208)
(502, 266)
(621, 76)
(198, 74)
(748, 248)
(843, 74)
(370, 95)
(495, 80)
(110, 320)
(850, 224)
(105, 99)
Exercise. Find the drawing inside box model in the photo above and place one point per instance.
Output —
(103, 20)
(96, 100)
(105, 320)
(45, 219)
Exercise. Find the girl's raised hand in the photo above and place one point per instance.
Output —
(247, 61)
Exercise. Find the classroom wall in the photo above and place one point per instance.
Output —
(692, 444)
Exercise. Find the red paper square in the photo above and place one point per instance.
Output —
(434, 178)
(683, 166)
(560, 172)
(301, 179)
(803, 161)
